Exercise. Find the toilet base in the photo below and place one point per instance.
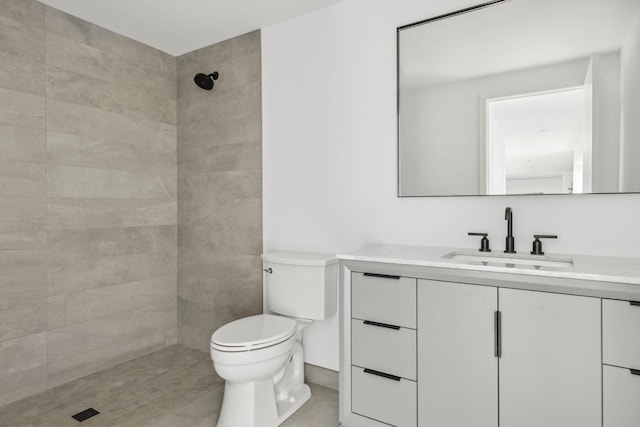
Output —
(249, 404)
(254, 405)
(287, 407)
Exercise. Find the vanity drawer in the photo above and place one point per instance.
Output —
(384, 349)
(621, 333)
(621, 394)
(384, 299)
(388, 400)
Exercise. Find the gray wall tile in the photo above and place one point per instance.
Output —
(135, 54)
(88, 198)
(227, 104)
(71, 341)
(21, 109)
(77, 307)
(22, 222)
(22, 384)
(22, 354)
(244, 45)
(27, 12)
(88, 230)
(73, 245)
(93, 92)
(88, 362)
(23, 275)
(22, 318)
(219, 189)
(72, 213)
(22, 144)
(22, 40)
(203, 195)
(22, 179)
(112, 153)
(21, 73)
(22, 47)
(79, 182)
(78, 274)
(63, 117)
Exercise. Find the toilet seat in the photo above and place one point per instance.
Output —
(253, 333)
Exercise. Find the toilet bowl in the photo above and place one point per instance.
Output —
(261, 357)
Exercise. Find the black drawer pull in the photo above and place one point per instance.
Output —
(497, 322)
(636, 303)
(382, 374)
(635, 371)
(382, 276)
(382, 325)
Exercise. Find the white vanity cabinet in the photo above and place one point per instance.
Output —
(432, 346)
(621, 358)
(383, 348)
(550, 364)
(457, 364)
(538, 349)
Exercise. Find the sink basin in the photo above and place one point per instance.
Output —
(509, 260)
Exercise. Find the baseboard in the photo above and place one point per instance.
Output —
(321, 376)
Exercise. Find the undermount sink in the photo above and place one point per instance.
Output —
(509, 260)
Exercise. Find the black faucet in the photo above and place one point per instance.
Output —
(510, 242)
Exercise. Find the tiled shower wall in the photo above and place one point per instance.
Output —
(88, 198)
(219, 189)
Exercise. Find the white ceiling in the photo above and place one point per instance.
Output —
(510, 36)
(181, 26)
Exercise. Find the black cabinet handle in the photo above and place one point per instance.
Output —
(382, 276)
(497, 322)
(381, 325)
(635, 303)
(634, 372)
(382, 374)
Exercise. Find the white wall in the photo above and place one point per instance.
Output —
(454, 114)
(606, 147)
(329, 159)
(440, 152)
(630, 130)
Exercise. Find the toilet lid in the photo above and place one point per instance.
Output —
(254, 332)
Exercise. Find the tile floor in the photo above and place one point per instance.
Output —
(174, 387)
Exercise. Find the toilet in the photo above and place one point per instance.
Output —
(261, 357)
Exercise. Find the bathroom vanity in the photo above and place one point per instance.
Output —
(446, 337)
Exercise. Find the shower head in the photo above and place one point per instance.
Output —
(206, 81)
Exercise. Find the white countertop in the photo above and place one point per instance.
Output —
(585, 267)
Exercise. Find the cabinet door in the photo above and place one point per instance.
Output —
(550, 369)
(621, 396)
(457, 367)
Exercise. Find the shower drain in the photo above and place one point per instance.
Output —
(85, 415)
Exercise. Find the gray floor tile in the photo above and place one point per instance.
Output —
(173, 387)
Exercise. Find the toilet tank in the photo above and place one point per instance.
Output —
(302, 285)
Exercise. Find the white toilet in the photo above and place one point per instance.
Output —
(261, 357)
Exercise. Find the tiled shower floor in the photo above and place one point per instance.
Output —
(174, 387)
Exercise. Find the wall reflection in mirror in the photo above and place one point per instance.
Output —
(521, 97)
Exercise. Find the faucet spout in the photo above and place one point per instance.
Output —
(510, 241)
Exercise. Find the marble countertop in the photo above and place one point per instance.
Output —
(584, 267)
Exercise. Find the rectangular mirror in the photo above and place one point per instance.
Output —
(521, 97)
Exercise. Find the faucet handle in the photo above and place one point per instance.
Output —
(484, 243)
(537, 244)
